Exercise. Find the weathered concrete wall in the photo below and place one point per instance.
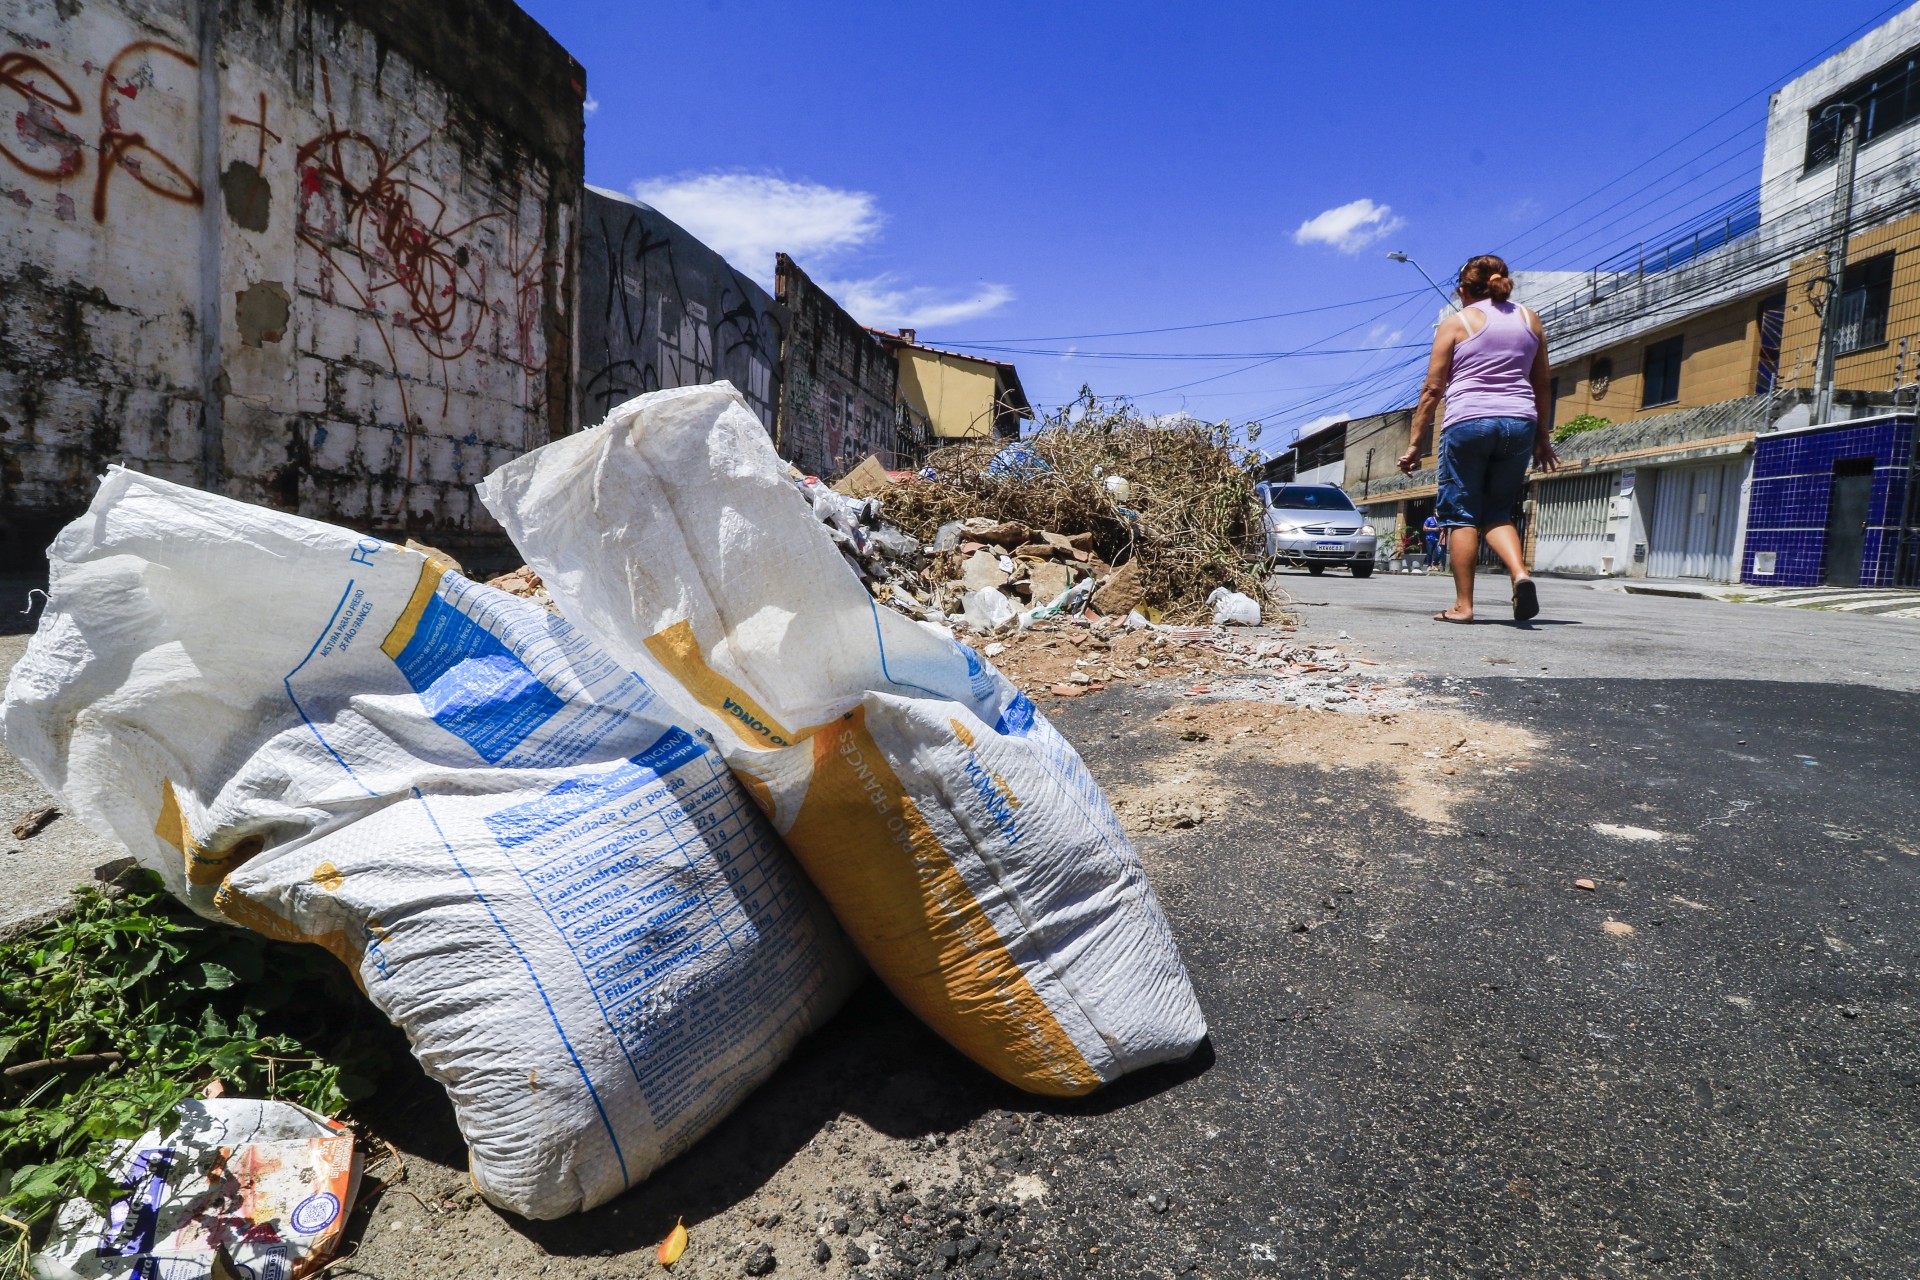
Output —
(312, 255)
(841, 397)
(660, 309)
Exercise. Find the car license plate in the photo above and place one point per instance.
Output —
(1328, 546)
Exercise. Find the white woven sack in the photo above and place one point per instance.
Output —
(956, 834)
(588, 932)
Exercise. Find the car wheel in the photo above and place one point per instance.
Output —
(1363, 569)
(1316, 569)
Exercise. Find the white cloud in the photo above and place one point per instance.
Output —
(886, 302)
(1349, 227)
(591, 105)
(1384, 335)
(748, 217)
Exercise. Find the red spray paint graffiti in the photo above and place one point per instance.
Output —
(36, 128)
(394, 243)
(122, 146)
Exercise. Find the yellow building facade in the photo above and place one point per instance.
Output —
(964, 397)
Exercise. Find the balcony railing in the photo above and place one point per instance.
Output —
(1721, 225)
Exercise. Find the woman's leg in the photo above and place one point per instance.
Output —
(1463, 549)
(1505, 541)
(1506, 481)
(1465, 451)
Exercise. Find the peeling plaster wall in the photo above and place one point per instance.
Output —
(311, 255)
(660, 309)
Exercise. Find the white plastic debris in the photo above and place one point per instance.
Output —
(1234, 609)
(987, 609)
(236, 1187)
(586, 929)
(958, 836)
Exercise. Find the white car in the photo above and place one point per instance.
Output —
(1316, 525)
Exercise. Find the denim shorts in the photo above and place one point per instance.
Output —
(1483, 468)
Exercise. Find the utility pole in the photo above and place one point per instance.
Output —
(1836, 254)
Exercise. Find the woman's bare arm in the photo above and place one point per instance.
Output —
(1439, 369)
(1545, 457)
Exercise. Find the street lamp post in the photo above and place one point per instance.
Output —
(1444, 295)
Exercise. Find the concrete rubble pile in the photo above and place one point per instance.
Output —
(978, 574)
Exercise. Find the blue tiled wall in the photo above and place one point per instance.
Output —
(1792, 484)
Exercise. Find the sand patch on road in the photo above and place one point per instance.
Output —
(1438, 757)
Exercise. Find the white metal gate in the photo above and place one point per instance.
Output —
(1696, 518)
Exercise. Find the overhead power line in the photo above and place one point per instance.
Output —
(1763, 91)
(1183, 328)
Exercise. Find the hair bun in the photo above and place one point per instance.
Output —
(1478, 277)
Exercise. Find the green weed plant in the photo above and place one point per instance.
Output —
(185, 1003)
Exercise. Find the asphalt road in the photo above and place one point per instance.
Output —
(1431, 1054)
(1584, 631)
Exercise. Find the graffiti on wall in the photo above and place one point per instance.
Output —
(841, 400)
(390, 273)
(660, 309)
(380, 231)
(400, 253)
(47, 142)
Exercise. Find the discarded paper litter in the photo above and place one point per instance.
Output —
(957, 835)
(237, 1188)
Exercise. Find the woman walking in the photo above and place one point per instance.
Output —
(1490, 366)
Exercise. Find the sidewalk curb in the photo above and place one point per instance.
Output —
(1673, 590)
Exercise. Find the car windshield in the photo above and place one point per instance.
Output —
(1309, 497)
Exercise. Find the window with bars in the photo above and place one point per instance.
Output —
(1888, 99)
(1576, 507)
(1860, 308)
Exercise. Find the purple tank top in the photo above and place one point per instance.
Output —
(1490, 368)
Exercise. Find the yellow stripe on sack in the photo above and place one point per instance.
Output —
(203, 866)
(679, 652)
(251, 914)
(409, 621)
(757, 788)
(897, 894)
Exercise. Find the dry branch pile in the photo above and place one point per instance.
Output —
(1189, 516)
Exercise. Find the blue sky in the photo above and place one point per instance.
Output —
(1030, 175)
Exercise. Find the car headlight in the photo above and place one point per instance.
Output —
(1367, 529)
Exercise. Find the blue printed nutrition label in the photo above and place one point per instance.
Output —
(661, 878)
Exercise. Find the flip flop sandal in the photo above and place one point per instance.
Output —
(1526, 600)
(1447, 617)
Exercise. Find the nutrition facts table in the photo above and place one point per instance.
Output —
(657, 873)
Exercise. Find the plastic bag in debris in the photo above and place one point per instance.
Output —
(987, 609)
(588, 932)
(957, 835)
(838, 511)
(893, 543)
(1234, 609)
(1018, 462)
(1072, 600)
(268, 1185)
